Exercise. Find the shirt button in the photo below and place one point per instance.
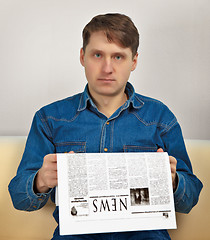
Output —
(105, 149)
(107, 123)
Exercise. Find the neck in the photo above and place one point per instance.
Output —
(109, 104)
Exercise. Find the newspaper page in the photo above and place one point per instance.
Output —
(113, 192)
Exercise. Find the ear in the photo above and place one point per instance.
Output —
(134, 62)
(82, 55)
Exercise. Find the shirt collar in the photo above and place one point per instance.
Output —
(85, 97)
(132, 98)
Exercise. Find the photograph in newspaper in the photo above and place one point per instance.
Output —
(112, 192)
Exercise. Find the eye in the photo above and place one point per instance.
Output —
(118, 57)
(97, 55)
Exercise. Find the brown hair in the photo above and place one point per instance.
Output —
(117, 27)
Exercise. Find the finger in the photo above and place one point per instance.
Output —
(71, 152)
(49, 165)
(53, 158)
(160, 150)
(50, 158)
(173, 169)
(53, 166)
(173, 161)
(51, 183)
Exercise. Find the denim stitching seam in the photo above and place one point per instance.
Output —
(45, 125)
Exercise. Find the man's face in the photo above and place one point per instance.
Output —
(107, 66)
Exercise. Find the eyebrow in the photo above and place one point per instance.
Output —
(94, 50)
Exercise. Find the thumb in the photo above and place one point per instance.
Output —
(160, 150)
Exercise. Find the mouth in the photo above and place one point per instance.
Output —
(106, 79)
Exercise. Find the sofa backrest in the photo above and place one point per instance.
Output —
(15, 224)
(196, 224)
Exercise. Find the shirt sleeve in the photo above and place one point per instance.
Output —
(189, 186)
(39, 143)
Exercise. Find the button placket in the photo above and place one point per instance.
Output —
(106, 140)
(106, 149)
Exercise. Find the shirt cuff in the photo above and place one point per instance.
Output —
(37, 199)
(180, 190)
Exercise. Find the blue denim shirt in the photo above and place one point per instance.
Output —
(142, 124)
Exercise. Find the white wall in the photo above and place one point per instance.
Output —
(39, 56)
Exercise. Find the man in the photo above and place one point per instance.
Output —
(107, 117)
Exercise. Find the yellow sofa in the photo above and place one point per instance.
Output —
(39, 225)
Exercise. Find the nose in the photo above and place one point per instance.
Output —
(107, 66)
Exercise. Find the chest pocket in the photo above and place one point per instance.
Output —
(131, 148)
(65, 147)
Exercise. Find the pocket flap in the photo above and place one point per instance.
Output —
(65, 147)
(131, 148)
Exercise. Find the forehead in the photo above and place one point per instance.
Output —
(99, 41)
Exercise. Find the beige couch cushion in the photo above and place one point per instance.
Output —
(196, 224)
(14, 224)
(17, 225)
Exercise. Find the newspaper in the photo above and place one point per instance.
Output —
(113, 192)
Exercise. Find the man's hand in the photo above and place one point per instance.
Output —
(47, 175)
(173, 163)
